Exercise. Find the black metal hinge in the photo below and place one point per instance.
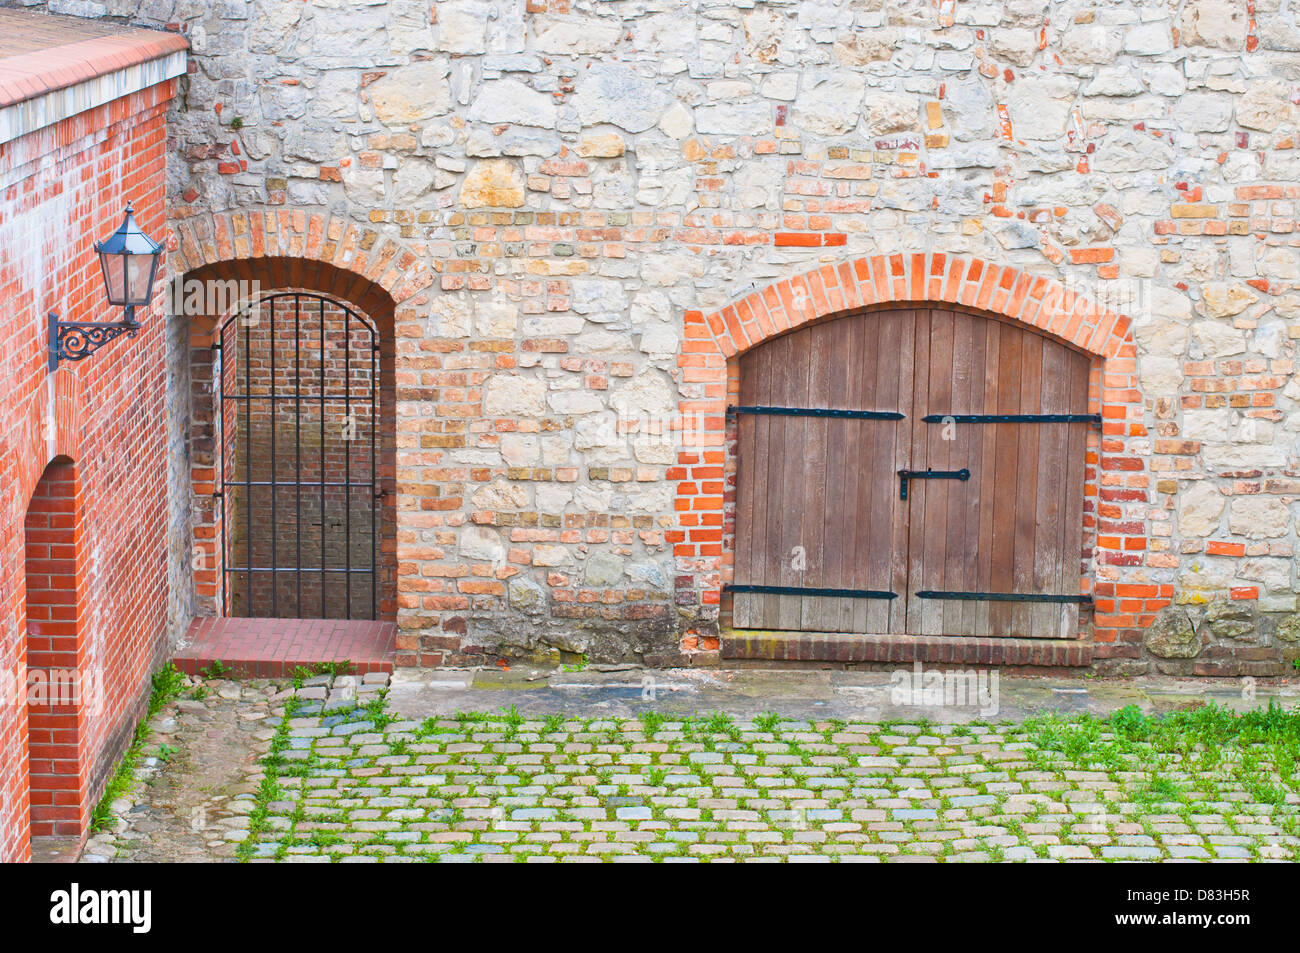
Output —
(1012, 418)
(818, 412)
(905, 475)
(1002, 596)
(813, 591)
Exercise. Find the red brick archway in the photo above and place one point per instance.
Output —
(1117, 478)
(60, 692)
(292, 250)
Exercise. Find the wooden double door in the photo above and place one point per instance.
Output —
(911, 471)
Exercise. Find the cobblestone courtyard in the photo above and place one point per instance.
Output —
(345, 778)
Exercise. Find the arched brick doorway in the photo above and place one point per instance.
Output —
(705, 542)
(60, 694)
(311, 341)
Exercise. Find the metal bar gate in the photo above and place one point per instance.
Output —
(346, 349)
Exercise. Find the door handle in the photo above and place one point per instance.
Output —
(928, 474)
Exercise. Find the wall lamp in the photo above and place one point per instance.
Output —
(129, 259)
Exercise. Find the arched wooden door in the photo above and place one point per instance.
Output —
(911, 471)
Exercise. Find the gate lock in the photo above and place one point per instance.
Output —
(905, 475)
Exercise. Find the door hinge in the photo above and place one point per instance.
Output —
(818, 412)
(812, 591)
(1002, 596)
(1012, 418)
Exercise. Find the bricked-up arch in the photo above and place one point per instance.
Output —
(1116, 472)
(285, 249)
(59, 691)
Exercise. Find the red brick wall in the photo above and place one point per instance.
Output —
(54, 563)
(62, 188)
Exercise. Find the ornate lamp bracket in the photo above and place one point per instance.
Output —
(77, 340)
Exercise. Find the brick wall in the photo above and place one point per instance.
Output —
(100, 425)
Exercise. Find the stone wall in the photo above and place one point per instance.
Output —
(585, 181)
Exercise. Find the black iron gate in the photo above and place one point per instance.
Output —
(298, 428)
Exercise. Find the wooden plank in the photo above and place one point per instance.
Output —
(1003, 496)
(842, 443)
(1072, 519)
(935, 530)
(770, 431)
(751, 486)
(906, 387)
(812, 533)
(988, 454)
(918, 491)
(1030, 402)
(792, 374)
(879, 558)
(964, 498)
(1053, 443)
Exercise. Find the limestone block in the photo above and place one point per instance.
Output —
(410, 94)
(613, 92)
(828, 104)
(1218, 24)
(510, 101)
(1223, 300)
(1199, 509)
(1259, 517)
(509, 395)
(497, 183)
(1172, 635)
(582, 37)
(501, 495)
(1265, 105)
(1038, 109)
(890, 112)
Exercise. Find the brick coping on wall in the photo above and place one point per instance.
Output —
(53, 67)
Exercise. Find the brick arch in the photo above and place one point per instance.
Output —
(52, 429)
(295, 247)
(1037, 301)
(709, 373)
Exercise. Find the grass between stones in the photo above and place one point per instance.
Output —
(360, 785)
(167, 684)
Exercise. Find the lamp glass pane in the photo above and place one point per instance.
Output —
(139, 271)
(114, 277)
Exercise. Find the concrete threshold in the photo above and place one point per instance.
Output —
(910, 693)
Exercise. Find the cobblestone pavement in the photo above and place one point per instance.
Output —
(347, 779)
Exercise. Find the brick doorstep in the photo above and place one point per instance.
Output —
(273, 648)
(852, 647)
